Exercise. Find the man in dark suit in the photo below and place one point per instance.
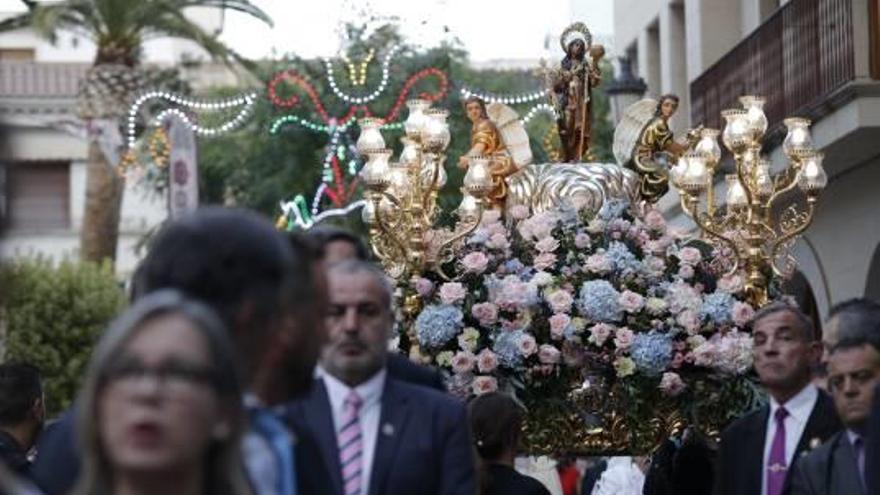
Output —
(335, 245)
(757, 449)
(377, 434)
(21, 413)
(838, 466)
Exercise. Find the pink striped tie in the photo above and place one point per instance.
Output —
(351, 445)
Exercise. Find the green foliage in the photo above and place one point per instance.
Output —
(53, 315)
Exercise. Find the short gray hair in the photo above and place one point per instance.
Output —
(808, 330)
(352, 266)
(857, 318)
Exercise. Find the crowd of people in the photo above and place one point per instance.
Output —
(252, 361)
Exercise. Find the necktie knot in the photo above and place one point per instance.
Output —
(353, 400)
(781, 414)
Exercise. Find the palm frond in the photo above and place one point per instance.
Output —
(16, 22)
(243, 6)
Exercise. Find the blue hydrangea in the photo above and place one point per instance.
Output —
(598, 302)
(438, 324)
(568, 216)
(513, 266)
(479, 237)
(624, 260)
(652, 352)
(612, 209)
(717, 308)
(506, 347)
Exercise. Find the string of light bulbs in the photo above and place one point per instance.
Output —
(245, 101)
(535, 110)
(360, 100)
(510, 99)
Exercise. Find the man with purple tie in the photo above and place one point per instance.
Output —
(757, 450)
(838, 466)
(376, 434)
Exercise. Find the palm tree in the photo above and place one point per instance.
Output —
(119, 29)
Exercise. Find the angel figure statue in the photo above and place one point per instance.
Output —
(498, 134)
(644, 144)
(571, 84)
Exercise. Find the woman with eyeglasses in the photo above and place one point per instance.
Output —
(162, 405)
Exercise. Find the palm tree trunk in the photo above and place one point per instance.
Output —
(100, 226)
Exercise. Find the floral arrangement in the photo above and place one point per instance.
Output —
(557, 304)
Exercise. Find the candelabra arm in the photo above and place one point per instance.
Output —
(747, 188)
(706, 226)
(787, 234)
(457, 237)
(783, 188)
(429, 200)
(395, 269)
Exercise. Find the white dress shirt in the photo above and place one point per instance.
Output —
(799, 408)
(370, 393)
(621, 477)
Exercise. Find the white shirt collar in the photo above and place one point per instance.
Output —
(369, 391)
(800, 406)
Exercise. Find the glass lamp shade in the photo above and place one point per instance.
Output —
(409, 156)
(812, 178)
(371, 137)
(376, 171)
(436, 131)
(763, 181)
(426, 175)
(676, 172)
(736, 130)
(798, 139)
(694, 178)
(478, 179)
(755, 117)
(469, 208)
(368, 213)
(397, 175)
(736, 195)
(416, 121)
(708, 145)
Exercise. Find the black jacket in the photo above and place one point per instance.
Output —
(504, 480)
(740, 466)
(13, 454)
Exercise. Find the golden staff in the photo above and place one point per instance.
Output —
(586, 94)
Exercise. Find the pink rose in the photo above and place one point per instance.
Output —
(686, 272)
(452, 292)
(598, 263)
(475, 262)
(689, 255)
(742, 313)
(706, 354)
(520, 212)
(631, 302)
(559, 301)
(545, 260)
(463, 362)
(548, 354)
(498, 241)
(730, 283)
(655, 221)
(487, 361)
(486, 313)
(547, 245)
(424, 287)
(599, 333)
(671, 384)
(623, 338)
(689, 320)
(490, 216)
(582, 241)
(653, 247)
(558, 323)
(527, 345)
(484, 385)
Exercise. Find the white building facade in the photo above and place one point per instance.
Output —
(818, 59)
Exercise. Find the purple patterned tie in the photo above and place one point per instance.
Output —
(351, 445)
(777, 467)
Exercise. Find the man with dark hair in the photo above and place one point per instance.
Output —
(338, 244)
(335, 245)
(377, 434)
(22, 413)
(848, 318)
(757, 449)
(838, 466)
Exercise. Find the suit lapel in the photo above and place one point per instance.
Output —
(753, 464)
(821, 425)
(392, 420)
(319, 416)
(845, 473)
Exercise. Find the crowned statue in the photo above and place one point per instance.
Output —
(571, 87)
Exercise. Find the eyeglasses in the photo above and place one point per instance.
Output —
(174, 375)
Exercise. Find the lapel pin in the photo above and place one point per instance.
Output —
(815, 442)
(388, 429)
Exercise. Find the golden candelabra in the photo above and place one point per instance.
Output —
(402, 195)
(763, 214)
